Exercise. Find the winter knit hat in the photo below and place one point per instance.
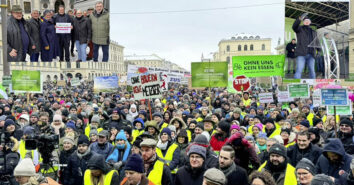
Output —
(93, 132)
(262, 135)
(69, 139)
(200, 125)
(57, 117)
(196, 149)
(83, 140)
(2, 118)
(305, 123)
(306, 164)
(346, 122)
(28, 130)
(285, 130)
(9, 122)
(278, 149)
(201, 139)
(235, 127)
(259, 126)
(25, 168)
(135, 163)
(167, 131)
(95, 119)
(224, 126)
(71, 124)
(322, 179)
(121, 136)
(215, 176)
(172, 128)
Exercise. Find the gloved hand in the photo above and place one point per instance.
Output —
(118, 165)
(46, 48)
(302, 17)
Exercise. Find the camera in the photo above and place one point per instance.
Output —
(44, 143)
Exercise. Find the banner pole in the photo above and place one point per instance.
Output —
(149, 109)
(335, 121)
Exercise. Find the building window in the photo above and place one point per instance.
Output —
(245, 47)
(228, 48)
(251, 47)
(228, 59)
(263, 47)
(27, 7)
(239, 48)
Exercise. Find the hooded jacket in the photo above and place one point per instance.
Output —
(326, 167)
(97, 162)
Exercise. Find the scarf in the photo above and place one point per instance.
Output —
(57, 127)
(229, 170)
(162, 146)
(149, 162)
(115, 154)
(84, 154)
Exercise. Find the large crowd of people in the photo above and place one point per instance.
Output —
(186, 137)
(38, 36)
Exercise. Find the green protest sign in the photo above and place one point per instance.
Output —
(340, 110)
(299, 90)
(258, 66)
(213, 74)
(26, 81)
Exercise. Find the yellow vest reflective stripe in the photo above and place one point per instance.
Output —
(169, 155)
(310, 118)
(136, 133)
(107, 179)
(155, 174)
(290, 177)
(189, 134)
(164, 125)
(290, 144)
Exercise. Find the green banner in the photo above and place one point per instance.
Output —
(209, 74)
(299, 90)
(26, 81)
(258, 66)
(340, 110)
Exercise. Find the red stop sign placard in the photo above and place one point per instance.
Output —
(241, 83)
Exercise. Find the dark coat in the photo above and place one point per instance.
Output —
(98, 162)
(48, 38)
(34, 32)
(14, 40)
(187, 176)
(348, 142)
(312, 153)
(326, 167)
(302, 35)
(104, 150)
(65, 18)
(82, 29)
(175, 159)
(237, 177)
(289, 47)
(64, 159)
(76, 168)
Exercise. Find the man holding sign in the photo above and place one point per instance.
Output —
(63, 29)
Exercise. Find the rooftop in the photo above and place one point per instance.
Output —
(244, 36)
(142, 57)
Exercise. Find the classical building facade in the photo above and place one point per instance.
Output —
(242, 44)
(351, 41)
(152, 60)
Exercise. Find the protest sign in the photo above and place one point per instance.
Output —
(105, 84)
(61, 83)
(26, 81)
(283, 96)
(147, 86)
(209, 74)
(258, 66)
(265, 97)
(316, 98)
(340, 110)
(62, 27)
(299, 90)
(75, 81)
(334, 97)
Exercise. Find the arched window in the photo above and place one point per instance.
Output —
(239, 48)
(245, 47)
(251, 47)
(263, 47)
(227, 48)
(228, 59)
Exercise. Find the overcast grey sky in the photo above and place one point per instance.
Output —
(181, 37)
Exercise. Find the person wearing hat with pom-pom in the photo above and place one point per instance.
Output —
(134, 172)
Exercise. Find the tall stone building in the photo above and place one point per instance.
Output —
(351, 41)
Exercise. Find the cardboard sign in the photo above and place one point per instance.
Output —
(62, 27)
(265, 97)
(316, 98)
(75, 82)
(283, 96)
(61, 83)
(148, 86)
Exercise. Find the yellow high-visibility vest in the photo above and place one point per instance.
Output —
(35, 156)
(290, 177)
(88, 129)
(107, 178)
(155, 174)
(168, 156)
(136, 133)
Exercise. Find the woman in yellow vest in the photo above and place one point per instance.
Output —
(167, 150)
(180, 124)
(270, 129)
(99, 173)
(95, 124)
(138, 125)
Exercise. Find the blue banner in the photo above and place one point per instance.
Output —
(334, 97)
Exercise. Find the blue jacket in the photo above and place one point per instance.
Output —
(326, 167)
(48, 38)
(104, 150)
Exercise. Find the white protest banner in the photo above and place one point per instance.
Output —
(147, 86)
(265, 97)
(75, 82)
(316, 98)
(174, 79)
(62, 27)
(283, 96)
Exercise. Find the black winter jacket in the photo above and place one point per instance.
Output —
(188, 176)
(34, 32)
(295, 154)
(82, 29)
(305, 36)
